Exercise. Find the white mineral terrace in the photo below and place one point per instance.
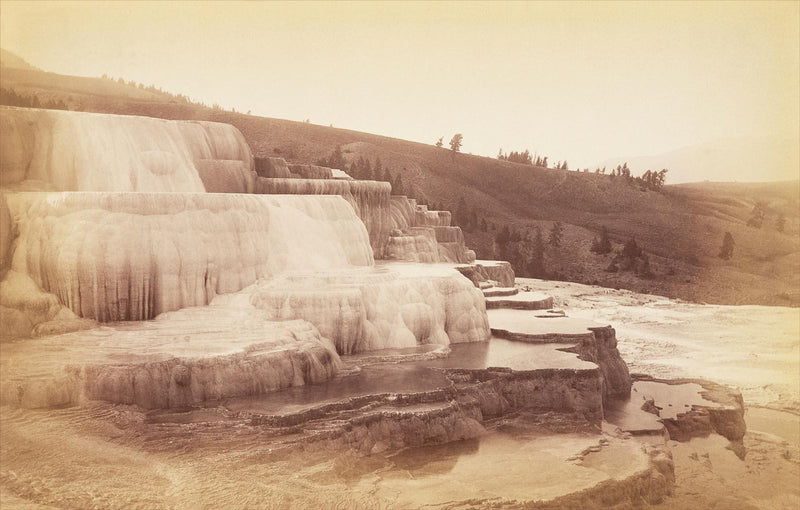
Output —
(74, 151)
(218, 326)
(131, 256)
(524, 325)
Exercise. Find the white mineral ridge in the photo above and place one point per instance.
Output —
(340, 174)
(76, 151)
(402, 212)
(391, 306)
(131, 256)
(369, 199)
(180, 358)
(415, 244)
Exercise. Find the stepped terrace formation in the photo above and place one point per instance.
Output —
(159, 280)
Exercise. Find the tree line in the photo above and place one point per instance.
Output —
(526, 158)
(759, 214)
(10, 97)
(652, 180)
(363, 169)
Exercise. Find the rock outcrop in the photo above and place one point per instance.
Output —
(721, 412)
(489, 270)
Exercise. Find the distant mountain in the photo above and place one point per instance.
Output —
(730, 159)
(8, 59)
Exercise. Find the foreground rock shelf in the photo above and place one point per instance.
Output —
(173, 362)
(520, 301)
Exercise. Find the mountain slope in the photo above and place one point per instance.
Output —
(681, 228)
(12, 61)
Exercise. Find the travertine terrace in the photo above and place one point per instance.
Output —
(158, 279)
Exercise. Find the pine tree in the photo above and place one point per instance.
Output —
(643, 269)
(780, 223)
(726, 250)
(397, 186)
(757, 216)
(556, 234)
(462, 213)
(535, 263)
(503, 237)
(336, 159)
(455, 142)
(366, 171)
(439, 142)
(603, 245)
(631, 250)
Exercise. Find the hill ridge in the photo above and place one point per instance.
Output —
(680, 228)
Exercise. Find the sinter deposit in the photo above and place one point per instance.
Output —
(293, 336)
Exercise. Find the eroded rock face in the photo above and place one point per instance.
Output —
(132, 256)
(603, 351)
(501, 391)
(485, 270)
(75, 151)
(722, 412)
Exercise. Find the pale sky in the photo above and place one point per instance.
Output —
(581, 81)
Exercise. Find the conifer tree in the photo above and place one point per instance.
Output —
(556, 234)
(603, 245)
(397, 186)
(366, 171)
(726, 250)
(780, 223)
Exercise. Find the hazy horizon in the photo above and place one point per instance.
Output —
(586, 82)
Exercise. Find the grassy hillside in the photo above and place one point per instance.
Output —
(681, 228)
